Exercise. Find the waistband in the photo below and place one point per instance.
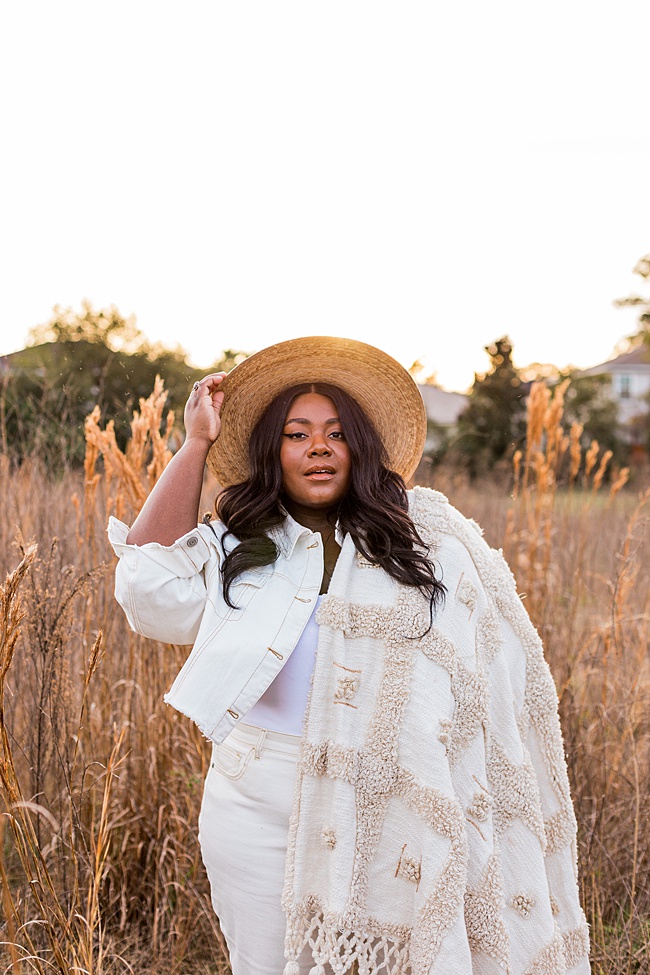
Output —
(262, 740)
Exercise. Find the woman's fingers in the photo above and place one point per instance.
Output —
(203, 407)
(217, 400)
(209, 384)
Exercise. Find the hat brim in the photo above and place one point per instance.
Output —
(381, 386)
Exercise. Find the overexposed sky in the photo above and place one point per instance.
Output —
(418, 175)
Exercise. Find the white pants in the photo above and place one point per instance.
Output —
(243, 829)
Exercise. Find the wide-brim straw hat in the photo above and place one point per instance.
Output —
(383, 388)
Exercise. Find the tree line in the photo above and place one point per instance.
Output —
(79, 360)
(493, 425)
(82, 359)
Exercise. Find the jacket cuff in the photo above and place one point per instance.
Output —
(188, 554)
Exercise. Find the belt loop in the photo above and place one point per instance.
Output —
(259, 744)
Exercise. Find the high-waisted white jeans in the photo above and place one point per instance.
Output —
(243, 829)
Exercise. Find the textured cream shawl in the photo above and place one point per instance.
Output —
(432, 830)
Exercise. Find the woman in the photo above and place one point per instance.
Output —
(399, 798)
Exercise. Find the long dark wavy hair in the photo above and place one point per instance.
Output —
(374, 510)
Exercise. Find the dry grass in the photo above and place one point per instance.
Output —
(101, 782)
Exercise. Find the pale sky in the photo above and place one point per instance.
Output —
(422, 176)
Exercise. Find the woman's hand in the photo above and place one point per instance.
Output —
(203, 408)
(172, 508)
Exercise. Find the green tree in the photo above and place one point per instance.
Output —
(82, 360)
(106, 327)
(588, 401)
(493, 423)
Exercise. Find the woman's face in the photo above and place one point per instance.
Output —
(314, 456)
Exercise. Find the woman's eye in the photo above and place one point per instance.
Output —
(337, 434)
(295, 436)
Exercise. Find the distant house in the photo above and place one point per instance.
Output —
(630, 384)
(443, 409)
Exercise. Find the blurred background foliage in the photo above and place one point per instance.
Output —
(84, 358)
(78, 360)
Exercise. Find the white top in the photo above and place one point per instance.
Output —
(282, 706)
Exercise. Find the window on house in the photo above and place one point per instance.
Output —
(624, 387)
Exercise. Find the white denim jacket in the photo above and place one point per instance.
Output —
(174, 594)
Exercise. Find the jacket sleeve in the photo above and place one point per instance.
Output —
(162, 589)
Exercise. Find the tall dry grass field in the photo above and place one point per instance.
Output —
(100, 869)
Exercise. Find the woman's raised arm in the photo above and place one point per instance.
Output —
(172, 508)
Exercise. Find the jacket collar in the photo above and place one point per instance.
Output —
(287, 534)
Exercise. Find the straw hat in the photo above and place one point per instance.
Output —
(382, 387)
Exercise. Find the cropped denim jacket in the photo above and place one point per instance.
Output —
(174, 594)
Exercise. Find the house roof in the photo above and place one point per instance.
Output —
(639, 356)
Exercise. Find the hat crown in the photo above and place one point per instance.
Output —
(382, 387)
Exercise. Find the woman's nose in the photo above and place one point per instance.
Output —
(319, 445)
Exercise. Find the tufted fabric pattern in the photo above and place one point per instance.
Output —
(432, 830)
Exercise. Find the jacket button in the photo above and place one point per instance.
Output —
(192, 541)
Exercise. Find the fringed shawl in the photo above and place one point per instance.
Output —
(432, 829)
